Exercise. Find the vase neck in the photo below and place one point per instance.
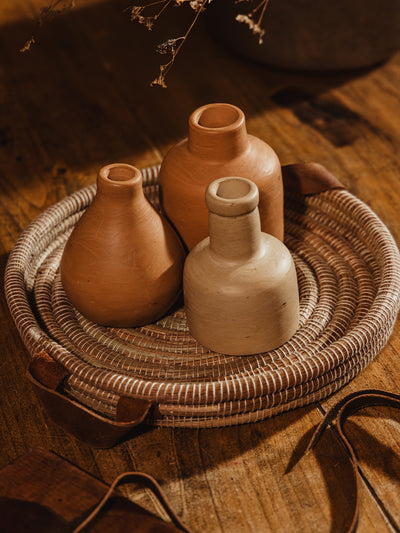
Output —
(121, 182)
(236, 238)
(234, 220)
(217, 132)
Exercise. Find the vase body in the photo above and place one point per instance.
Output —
(122, 264)
(218, 145)
(240, 284)
(313, 35)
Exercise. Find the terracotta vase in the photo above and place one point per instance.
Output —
(122, 265)
(218, 145)
(240, 285)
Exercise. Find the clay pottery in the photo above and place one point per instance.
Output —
(313, 35)
(240, 284)
(218, 145)
(122, 264)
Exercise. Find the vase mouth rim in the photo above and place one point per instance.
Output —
(232, 196)
(217, 117)
(120, 173)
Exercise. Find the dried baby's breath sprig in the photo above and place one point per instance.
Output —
(46, 14)
(170, 46)
(55, 8)
(28, 44)
(135, 12)
(196, 4)
(159, 81)
(254, 26)
(253, 19)
(148, 14)
(249, 19)
(173, 46)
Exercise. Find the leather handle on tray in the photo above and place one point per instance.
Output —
(47, 375)
(308, 178)
(338, 415)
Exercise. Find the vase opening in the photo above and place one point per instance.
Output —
(218, 116)
(232, 196)
(233, 188)
(120, 172)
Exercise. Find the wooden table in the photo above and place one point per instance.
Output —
(79, 99)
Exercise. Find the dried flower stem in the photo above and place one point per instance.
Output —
(164, 69)
(47, 13)
(51, 11)
(264, 4)
(136, 13)
(248, 19)
(171, 46)
(164, 7)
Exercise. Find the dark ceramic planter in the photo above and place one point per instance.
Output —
(313, 35)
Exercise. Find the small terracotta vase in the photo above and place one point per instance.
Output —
(218, 145)
(122, 264)
(240, 285)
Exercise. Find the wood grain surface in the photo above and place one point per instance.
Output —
(80, 98)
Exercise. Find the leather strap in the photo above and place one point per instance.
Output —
(308, 178)
(43, 492)
(127, 477)
(338, 415)
(47, 376)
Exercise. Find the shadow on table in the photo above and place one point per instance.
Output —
(337, 473)
(376, 458)
(259, 456)
(81, 94)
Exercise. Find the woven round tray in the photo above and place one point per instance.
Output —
(348, 270)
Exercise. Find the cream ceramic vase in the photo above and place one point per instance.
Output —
(122, 264)
(218, 145)
(240, 284)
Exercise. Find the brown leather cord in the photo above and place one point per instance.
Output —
(42, 492)
(129, 477)
(338, 415)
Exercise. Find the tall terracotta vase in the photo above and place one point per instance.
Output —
(122, 265)
(218, 145)
(240, 285)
